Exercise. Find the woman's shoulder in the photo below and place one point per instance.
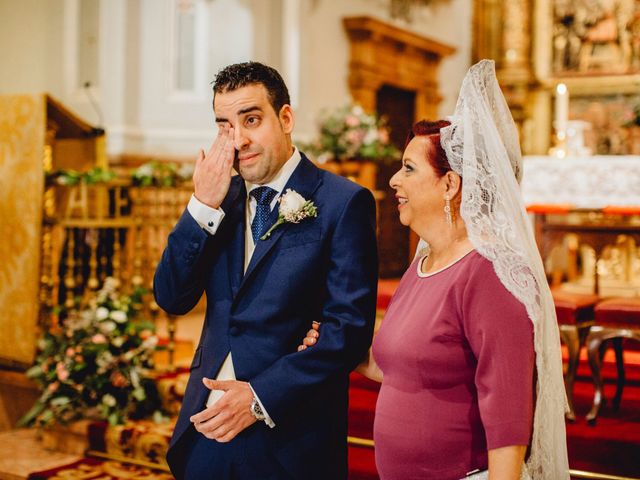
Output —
(475, 267)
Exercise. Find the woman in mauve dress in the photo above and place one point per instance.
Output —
(467, 352)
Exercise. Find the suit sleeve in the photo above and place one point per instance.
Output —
(179, 280)
(348, 314)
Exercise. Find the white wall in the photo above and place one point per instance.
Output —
(143, 114)
(27, 29)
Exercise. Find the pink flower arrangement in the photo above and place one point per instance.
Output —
(351, 133)
(75, 358)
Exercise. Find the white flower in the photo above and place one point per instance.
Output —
(324, 157)
(371, 136)
(291, 203)
(293, 209)
(150, 342)
(117, 342)
(110, 284)
(186, 171)
(145, 170)
(102, 313)
(119, 316)
(107, 327)
(109, 400)
(104, 359)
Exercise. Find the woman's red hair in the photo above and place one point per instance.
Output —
(435, 155)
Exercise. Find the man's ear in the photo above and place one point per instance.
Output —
(287, 119)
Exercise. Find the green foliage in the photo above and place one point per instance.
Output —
(72, 177)
(162, 174)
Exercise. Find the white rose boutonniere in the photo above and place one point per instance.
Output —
(293, 209)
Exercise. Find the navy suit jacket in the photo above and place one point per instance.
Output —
(322, 269)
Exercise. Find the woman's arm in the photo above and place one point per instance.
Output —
(368, 367)
(505, 463)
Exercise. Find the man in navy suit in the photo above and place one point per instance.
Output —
(255, 407)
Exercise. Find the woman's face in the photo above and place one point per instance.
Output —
(419, 190)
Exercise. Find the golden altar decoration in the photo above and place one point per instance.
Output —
(593, 48)
(37, 134)
(22, 146)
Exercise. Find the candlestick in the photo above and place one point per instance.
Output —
(562, 111)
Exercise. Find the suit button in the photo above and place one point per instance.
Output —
(234, 331)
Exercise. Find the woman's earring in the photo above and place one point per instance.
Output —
(447, 211)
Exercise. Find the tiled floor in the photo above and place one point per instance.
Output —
(21, 453)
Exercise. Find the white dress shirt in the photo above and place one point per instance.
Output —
(210, 218)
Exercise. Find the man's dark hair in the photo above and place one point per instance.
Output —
(250, 73)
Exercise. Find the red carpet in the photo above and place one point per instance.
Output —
(612, 446)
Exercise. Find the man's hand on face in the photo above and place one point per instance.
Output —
(230, 415)
(212, 173)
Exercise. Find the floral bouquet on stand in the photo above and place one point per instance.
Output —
(162, 174)
(349, 133)
(95, 364)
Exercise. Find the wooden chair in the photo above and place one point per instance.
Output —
(615, 319)
(575, 317)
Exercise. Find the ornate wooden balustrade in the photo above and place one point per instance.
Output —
(113, 229)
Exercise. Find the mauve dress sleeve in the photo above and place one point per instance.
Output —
(500, 335)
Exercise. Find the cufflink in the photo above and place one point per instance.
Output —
(256, 411)
(210, 224)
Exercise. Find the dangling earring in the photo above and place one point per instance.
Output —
(447, 211)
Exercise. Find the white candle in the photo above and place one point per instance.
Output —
(562, 111)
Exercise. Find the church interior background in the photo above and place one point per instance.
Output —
(105, 103)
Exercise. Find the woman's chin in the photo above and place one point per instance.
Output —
(403, 220)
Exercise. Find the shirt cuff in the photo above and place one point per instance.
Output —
(208, 218)
(267, 418)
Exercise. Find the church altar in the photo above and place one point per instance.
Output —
(593, 183)
(586, 212)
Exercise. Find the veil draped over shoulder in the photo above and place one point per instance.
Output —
(482, 147)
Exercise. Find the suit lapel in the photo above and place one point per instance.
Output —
(304, 180)
(237, 218)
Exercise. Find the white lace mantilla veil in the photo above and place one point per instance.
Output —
(482, 147)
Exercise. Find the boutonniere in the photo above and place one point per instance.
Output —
(293, 209)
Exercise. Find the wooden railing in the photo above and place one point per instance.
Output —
(113, 229)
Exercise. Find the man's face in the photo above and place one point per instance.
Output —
(261, 136)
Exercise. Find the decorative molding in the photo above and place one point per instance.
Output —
(157, 141)
(382, 54)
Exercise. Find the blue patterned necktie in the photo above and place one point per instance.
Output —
(263, 196)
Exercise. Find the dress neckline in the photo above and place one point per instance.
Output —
(421, 274)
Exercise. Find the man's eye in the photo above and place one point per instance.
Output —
(252, 120)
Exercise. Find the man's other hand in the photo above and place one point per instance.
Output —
(230, 415)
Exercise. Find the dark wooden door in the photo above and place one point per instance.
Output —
(398, 107)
